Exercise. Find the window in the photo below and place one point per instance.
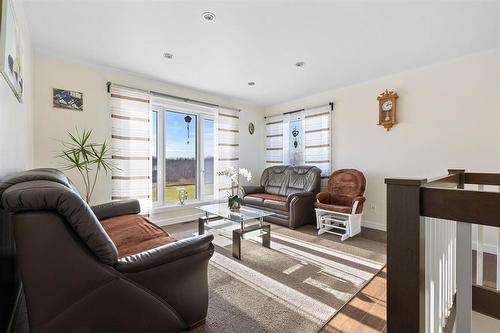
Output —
(301, 138)
(183, 148)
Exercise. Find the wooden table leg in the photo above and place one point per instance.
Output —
(266, 237)
(201, 225)
(237, 244)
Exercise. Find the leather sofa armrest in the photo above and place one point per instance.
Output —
(246, 190)
(165, 254)
(301, 209)
(116, 208)
(323, 197)
(292, 198)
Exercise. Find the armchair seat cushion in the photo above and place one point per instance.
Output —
(334, 208)
(133, 234)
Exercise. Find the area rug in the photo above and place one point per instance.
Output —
(296, 286)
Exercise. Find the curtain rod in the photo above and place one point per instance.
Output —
(184, 99)
(330, 104)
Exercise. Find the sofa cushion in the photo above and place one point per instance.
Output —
(274, 179)
(302, 179)
(276, 204)
(269, 196)
(335, 208)
(251, 199)
(133, 234)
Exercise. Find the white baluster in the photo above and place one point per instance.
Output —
(498, 259)
(479, 250)
(445, 274)
(428, 274)
(435, 265)
(498, 255)
(464, 277)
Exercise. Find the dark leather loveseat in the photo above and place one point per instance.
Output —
(77, 277)
(289, 192)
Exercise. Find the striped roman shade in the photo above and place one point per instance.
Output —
(274, 140)
(228, 122)
(130, 133)
(318, 140)
(313, 139)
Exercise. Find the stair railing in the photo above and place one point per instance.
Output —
(430, 251)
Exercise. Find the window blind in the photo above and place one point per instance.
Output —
(130, 145)
(301, 138)
(317, 148)
(274, 140)
(318, 140)
(228, 128)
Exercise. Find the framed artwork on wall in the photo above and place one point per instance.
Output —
(11, 49)
(66, 99)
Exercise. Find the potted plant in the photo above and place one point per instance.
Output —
(88, 157)
(234, 201)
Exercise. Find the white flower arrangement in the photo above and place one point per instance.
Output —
(234, 175)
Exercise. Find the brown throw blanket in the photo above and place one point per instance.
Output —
(133, 234)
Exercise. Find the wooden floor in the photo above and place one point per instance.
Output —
(366, 312)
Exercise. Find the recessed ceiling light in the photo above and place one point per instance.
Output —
(251, 83)
(168, 55)
(209, 17)
(300, 64)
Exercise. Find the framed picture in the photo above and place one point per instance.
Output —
(65, 99)
(11, 49)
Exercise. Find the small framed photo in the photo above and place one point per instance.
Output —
(66, 99)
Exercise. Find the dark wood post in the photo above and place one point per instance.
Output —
(462, 176)
(405, 257)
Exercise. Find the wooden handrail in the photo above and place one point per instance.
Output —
(482, 178)
(476, 207)
(450, 181)
(409, 201)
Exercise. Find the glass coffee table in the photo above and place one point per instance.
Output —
(241, 218)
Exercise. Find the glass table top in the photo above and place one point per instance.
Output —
(241, 215)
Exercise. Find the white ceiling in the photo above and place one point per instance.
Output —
(341, 42)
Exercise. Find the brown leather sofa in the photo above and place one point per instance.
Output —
(287, 191)
(79, 278)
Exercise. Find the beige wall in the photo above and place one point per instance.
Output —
(16, 119)
(52, 124)
(449, 116)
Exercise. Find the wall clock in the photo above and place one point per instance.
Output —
(251, 128)
(387, 111)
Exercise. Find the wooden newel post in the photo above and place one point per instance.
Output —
(405, 257)
(462, 176)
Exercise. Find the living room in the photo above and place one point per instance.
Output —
(288, 135)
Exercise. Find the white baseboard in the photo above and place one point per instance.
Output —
(373, 225)
(177, 219)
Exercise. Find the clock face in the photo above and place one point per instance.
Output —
(387, 106)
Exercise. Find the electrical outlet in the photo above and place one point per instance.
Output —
(373, 208)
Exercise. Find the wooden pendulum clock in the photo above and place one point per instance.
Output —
(387, 109)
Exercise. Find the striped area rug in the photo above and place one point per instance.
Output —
(296, 286)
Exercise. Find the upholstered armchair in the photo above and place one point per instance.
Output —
(343, 203)
(346, 188)
(102, 268)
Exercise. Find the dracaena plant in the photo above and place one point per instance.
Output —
(87, 157)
